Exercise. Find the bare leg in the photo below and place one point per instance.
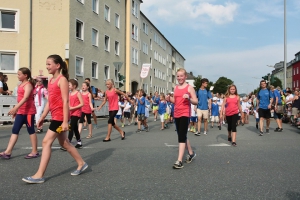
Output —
(261, 123)
(94, 117)
(79, 128)
(233, 136)
(188, 147)
(199, 123)
(118, 129)
(90, 129)
(205, 124)
(12, 141)
(181, 151)
(33, 139)
(268, 124)
(109, 128)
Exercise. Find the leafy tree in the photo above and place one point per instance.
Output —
(277, 82)
(221, 85)
(197, 83)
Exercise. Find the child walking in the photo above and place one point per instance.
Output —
(59, 107)
(193, 119)
(23, 113)
(87, 108)
(141, 110)
(76, 103)
(215, 113)
(162, 110)
(126, 111)
(184, 95)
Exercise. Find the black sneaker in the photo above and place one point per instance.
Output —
(138, 131)
(256, 126)
(267, 131)
(178, 165)
(234, 144)
(276, 129)
(147, 129)
(229, 139)
(189, 158)
(135, 123)
(279, 130)
(219, 127)
(78, 146)
(63, 149)
(261, 133)
(197, 133)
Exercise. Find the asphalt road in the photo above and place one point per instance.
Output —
(140, 167)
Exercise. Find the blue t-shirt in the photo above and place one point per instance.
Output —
(203, 96)
(214, 109)
(264, 96)
(276, 93)
(141, 106)
(162, 109)
(93, 93)
(155, 100)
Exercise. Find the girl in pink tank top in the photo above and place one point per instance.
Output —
(184, 95)
(24, 113)
(76, 103)
(59, 89)
(111, 95)
(87, 108)
(232, 106)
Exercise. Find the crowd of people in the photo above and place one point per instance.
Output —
(71, 107)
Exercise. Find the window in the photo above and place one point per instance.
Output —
(117, 48)
(134, 56)
(134, 32)
(79, 30)
(95, 6)
(94, 70)
(116, 75)
(150, 44)
(134, 8)
(8, 20)
(150, 81)
(297, 70)
(106, 43)
(145, 48)
(145, 28)
(150, 62)
(94, 37)
(117, 21)
(8, 61)
(106, 72)
(107, 13)
(79, 66)
(81, 1)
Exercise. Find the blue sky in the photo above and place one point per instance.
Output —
(236, 39)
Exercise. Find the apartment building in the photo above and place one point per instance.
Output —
(99, 39)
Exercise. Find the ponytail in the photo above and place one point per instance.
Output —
(63, 65)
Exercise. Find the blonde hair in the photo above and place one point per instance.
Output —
(110, 80)
(182, 70)
(162, 95)
(228, 90)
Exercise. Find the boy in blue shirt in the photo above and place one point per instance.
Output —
(264, 102)
(277, 116)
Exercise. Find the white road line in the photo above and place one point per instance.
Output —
(219, 145)
(170, 145)
(53, 147)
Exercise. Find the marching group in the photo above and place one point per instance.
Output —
(71, 108)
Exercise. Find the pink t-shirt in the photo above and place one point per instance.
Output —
(86, 108)
(55, 100)
(182, 106)
(74, 101)
(231, 106)
(113, 100)
(28, 107)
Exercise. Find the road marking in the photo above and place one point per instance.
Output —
(219, 145)
(53, 147)
(170, 145)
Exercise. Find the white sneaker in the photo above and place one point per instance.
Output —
(188, 129)
(204, 133)
(223, 122)
(197, 133)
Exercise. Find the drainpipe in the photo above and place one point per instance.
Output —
(30, 37)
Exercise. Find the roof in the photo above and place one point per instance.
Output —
(161, 34)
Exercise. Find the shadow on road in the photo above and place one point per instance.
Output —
(292, 195)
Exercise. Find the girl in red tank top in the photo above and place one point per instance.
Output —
(23, 113)
(87, 108)
(184, 95)
(76, 103)
(58, 105)
(111, 95)
(232, 106)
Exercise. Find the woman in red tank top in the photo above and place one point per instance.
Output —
(232, 106)
(184, 96)
(23, 113)
(112, 96)
(58, 105)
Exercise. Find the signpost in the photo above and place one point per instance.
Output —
(144, 72)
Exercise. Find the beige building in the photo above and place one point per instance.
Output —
(99, 39)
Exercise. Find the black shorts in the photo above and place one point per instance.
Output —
(126, 114)
(135, 114)
(141, 117)
(264, 113)
(54, 125)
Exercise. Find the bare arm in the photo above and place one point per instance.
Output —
(103, 103)
(193, 98)
(63, 84)
(80, 100)
(90, 100)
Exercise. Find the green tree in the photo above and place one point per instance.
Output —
(277, 82)
(197, 83)
(221, 85)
